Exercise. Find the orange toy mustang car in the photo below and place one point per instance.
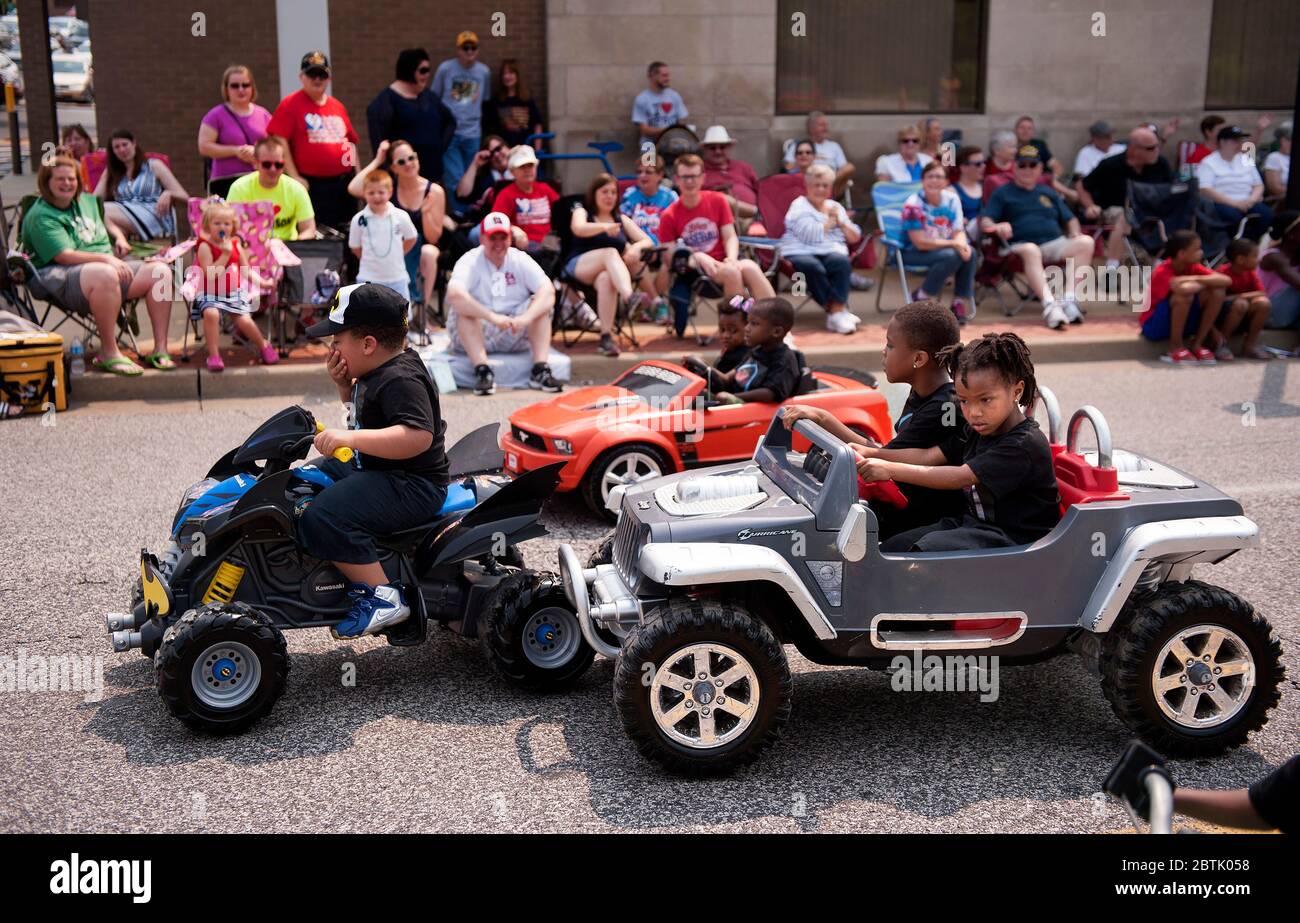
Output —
(657, 418)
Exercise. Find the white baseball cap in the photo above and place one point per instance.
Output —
(521, 155)
(494, 223)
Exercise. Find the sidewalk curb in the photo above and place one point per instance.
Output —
(310, 378)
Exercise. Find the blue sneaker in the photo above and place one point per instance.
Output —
(372, 610)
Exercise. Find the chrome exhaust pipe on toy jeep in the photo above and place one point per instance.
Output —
(575, 579)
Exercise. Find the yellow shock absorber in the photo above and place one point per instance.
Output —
(223, 585)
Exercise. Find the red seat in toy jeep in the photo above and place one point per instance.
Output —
(1080, 482)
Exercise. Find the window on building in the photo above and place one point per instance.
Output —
(1254, 52)
(883, 56)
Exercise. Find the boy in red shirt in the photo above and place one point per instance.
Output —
(1248, 306)
(526, 201)
(701, 222)
(319, 142)
(1183, 295)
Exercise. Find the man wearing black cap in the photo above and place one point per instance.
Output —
(397, 477)
(319, 142)
(1230, 179)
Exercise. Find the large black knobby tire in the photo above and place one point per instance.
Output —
(1146, 625)
(604, 553)
(641, 687)
(531, 633)
(214, 641)
(610, 458)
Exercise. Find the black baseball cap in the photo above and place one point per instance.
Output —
(315, 62)
(1232, 133)
(362, 305)
(1029, 152)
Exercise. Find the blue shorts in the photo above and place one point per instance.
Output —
(571, 267)
(1157, 326)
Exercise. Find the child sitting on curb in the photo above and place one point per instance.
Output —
(1248, 306)
(1184, 297)
(218, 255)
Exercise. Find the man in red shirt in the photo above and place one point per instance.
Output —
(319, 142)
(733, 178)
(526, 201)
(702, 222)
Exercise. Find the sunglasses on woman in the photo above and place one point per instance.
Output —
(403, 161)
(910, 141)
(974, 163)
(241, 86)
(424, 69)
(803, 152)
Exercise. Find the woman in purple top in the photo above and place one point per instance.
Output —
(229, 131)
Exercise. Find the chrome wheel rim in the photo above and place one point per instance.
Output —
(1203, 677)
(704, 696)
(226, 675)
(626, 470)
(551, 637)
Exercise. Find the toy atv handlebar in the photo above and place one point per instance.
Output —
(342, 453)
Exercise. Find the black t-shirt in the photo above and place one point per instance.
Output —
(732, 358)
(513, 118)
(1276, 797)
(1017, 489)
(777, 369)
(928, 421)
(401, 392)
(1108, 181)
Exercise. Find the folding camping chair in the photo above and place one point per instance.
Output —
(1153, 212)
(265, 253)
(888, 199)
(567, 285)
(25, 290)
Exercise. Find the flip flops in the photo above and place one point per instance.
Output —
(161, 361)
(118, 365)
(9, 411)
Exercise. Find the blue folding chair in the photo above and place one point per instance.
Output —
(888, 199)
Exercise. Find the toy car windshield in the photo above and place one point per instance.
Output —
(653, 383)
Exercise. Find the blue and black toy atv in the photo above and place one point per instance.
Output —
(211, 608)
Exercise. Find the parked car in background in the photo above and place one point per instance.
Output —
(11, 73)
(73, 77)
(71, 30)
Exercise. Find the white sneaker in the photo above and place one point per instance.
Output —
(1055, 317)
(1073, 313)
(841, 322)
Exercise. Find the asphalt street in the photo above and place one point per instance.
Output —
(429, 740)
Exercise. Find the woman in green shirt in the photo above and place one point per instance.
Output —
(81, 268)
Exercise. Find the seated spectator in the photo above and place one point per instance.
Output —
(1246, 307)
(486, 168)
(1210, 126)
(1025, 138)
(138, 191)
(606, 252)
(425, 204)
(228, 285)
(1183, 299)
(804, 156)
(735, 179)
(971, 162)
(824, 151)
(527, 201)
(1104, 191)
(658, 107)
(409, 110)
(931, 137)
(512, 112)
(1040, 229)
(80, 262)
(701, 222)
(294, 217)
(229, 131)
(78, 143)
(1002, 153)
(645, 201)
(905, 165)
(1101, 144)
(1228, 178)
(816, 241)
(1277, 165)
(936, 238)
(501, 302)
(1279, 271)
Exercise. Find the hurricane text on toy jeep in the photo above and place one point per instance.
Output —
(709, 575)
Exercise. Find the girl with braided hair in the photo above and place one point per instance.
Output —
(1001, 460)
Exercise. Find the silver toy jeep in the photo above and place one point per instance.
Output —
(708, 576)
